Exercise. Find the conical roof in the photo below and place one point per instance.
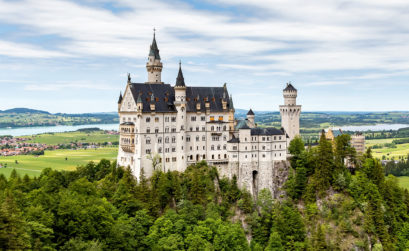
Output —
(180, 80)
(250, 112)
(154, 51)
(290, 87)
(120, 98)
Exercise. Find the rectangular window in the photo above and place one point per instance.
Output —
(148, 151)
(166, 119)
(211, 118)
(193, 118)
(148, 119)
(156, 119)
(173, 119)
(203, 118)
(220, 118)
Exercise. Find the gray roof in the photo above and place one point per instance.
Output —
(214, 96)
(164, 95)
(120, 98)
(154, 51)
(180, 80)
(266, 131)
(250, 112)
(234, 140)
(127, 123)
(242, 124)
(290, 87)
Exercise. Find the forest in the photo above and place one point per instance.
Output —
(102, 207)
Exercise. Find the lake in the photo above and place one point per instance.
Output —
(378, 127)
(22, 131)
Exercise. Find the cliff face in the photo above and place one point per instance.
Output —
(280, 176)
(257, 176)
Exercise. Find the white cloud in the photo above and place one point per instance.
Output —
(58, 86)
(21, 50)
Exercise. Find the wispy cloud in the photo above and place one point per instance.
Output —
(258, 43)
(58, 86)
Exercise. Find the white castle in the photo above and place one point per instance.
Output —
(170, 127)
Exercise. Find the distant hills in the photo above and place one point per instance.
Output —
(23, 110)
(26, 117)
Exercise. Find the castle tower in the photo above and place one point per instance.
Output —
(154, 65)
(290, 112)
(250, 119)
(180, 104)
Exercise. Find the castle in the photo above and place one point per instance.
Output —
(172, 126)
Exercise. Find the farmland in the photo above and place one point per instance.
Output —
(32, 166)
(389, 152)
(72, 137)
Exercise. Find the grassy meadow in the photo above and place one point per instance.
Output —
(69, 137)
(404, 181)
(31, 165)
(388, 152)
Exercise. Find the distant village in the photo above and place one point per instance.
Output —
(12, 146)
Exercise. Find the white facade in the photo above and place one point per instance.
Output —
(180, 125)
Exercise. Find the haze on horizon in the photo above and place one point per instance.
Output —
(73, 56)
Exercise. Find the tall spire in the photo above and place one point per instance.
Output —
(120, 98)
(154, 65)
(231, 103)
(180, 80)
(154, 51)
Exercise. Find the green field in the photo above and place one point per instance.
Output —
(404, 181)
(31, 165)
(69, 137)
(400, 150)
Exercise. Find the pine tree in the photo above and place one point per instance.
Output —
(319, 242)
(13, 234)
(324, 165)
(274, 243)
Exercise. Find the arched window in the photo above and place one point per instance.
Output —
(212, 128)
(173, 139)
(167, 140)
(148, 140)
(160, 140)
(212, 147)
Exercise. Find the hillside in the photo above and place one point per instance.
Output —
(22, 117)
(23, 110)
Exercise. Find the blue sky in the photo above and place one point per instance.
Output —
(73, 56)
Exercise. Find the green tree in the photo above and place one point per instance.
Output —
(274, 243)
(324, 165)
(13, 228)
